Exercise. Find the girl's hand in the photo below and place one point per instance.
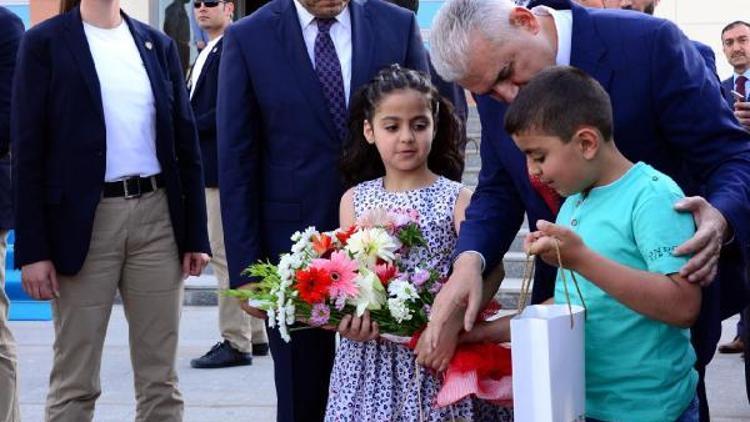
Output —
(542, 243)
(358, 328)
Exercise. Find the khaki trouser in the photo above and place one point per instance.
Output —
(238, 328)
(132, 249)
(8, 385)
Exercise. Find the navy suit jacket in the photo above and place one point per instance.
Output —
(59, 142)
(11, 32)
(727, 86)
(204, 107)
(278, 147)
(667, 112)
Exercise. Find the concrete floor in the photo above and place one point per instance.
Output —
(247, 393)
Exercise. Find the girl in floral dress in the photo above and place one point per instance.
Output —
(403, 152)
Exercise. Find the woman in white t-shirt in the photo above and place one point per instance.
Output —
(109, 197)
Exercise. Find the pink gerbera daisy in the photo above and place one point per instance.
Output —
(342, 271)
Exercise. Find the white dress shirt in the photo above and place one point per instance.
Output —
(564, 26)
(341, 34)
(200, 62)
(127, 101)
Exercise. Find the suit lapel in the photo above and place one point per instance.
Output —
(159, 82)
(290, 37)
(213, 55)
(587, 50)
(79, 46)
(728, 85)
(361, 46)
(147, 49)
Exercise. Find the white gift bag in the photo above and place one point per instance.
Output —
(548, 364)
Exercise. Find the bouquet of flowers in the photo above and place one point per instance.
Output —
(328, 275)
(331, 274)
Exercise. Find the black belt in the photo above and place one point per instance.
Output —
(132, 187)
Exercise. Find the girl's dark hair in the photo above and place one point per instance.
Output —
(361, 160)
(68, 5)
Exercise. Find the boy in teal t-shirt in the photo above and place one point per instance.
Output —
(616, 230)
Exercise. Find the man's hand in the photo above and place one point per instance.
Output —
(742, 112)
(461, 296)
(40, 280)
(439, 355)
(462, 291)
(193, 263)
(549, 238)
(711, 231)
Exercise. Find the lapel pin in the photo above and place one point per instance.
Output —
(215, 49)
(149, 45)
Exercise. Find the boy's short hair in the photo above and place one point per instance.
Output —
(558, 101)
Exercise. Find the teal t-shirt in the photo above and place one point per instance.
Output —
(637, 369)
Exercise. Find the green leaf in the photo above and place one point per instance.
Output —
(411, 236)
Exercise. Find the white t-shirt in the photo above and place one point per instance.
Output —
(128, 103)
(200, 62)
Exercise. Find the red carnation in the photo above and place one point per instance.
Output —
(344, 235)
(313, 284)
(385, 272)
(322, 244)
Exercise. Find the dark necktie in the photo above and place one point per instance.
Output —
(328, 68)
(739, 85)
(550, 196)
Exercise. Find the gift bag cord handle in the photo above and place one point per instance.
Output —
(528, 275)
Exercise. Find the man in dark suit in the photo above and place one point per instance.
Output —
(644, 6)
(244, 335)
(11, 31)
(108, 197)
(668, 112)
(286, 75)
(735, 41)
(177, 27)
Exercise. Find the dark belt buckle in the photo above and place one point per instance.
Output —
(133, 190)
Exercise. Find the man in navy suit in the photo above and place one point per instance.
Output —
(109, 197)
(11, 31)
(286, 75)
(668, 112)
(244, 335)
(644, 6)
(735, 41)
(177, 27)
